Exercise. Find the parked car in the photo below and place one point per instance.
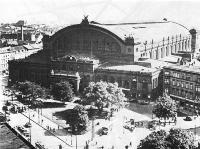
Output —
(187, 118)
(22, 129)
(38, 145)
(103, 131)
(129, 127)
(27, 125)
(26, 134)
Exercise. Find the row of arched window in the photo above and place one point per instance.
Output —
(160, 52)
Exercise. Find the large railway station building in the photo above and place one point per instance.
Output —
(130, 54)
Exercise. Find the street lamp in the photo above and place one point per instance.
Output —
(193, 34)
(165, 19)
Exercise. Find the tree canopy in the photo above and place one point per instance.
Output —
(103, 94)
(78, 119)
(180, 139)
(155, 140)
(31, 89)
(62, 91)
(175, 139)
(165, 107)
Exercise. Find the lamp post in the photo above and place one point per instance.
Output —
(166, 20)
(192, 33)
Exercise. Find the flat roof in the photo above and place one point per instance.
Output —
(130, 68)
(171, 58)
(157, 64)
(186, 68)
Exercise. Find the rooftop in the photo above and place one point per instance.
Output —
(151, 63)
(186, 68)
(147, 31)
(130, 68)
(9, 140)
(171, 59)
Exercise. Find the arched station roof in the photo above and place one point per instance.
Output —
(140, 32)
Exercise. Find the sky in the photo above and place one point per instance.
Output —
(67, 12)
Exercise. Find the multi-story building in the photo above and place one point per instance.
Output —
(19, 52)
(182, 83)
(86, 52)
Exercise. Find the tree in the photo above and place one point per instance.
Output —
(62, 91)
(155, 140)
(165, 108)
(78, 119)
(103, 94)
(180, 139)
(30, 89)
(175, 139)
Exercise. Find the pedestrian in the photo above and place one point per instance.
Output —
(130, 143)
(60, 146)
(58, 127)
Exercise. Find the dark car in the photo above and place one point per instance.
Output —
(27, 125)
(187, 118)
(103, 131)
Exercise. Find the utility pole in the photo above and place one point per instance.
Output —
(76, 142)
(92, 129)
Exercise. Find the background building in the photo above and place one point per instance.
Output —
(18, 52)
(182, 83)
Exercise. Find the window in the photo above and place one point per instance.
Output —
(198, 80)
(186, 85)
(183, 76)
(129, 50)
(182, 84)
(178, 75)
(177, 83)
(198, 88)
(174, 74)
(166, 73)
(188, 77)
(166, 81)
(191, 86)
(173, 82)
(136, 49)
(166, 90)
(183, 93)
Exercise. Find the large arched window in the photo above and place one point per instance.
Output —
(186, 45)
(98, 78)
(119, 80)
(126, 84)
(105, 78)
